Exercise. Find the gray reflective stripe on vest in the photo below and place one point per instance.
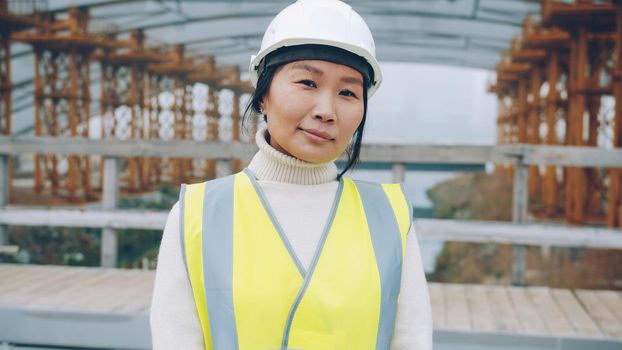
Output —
(182, 241)
(217, 229)
(387, 241)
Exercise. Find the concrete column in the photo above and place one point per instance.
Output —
(4, 195)
(223, 168)
(519, 215)
(110, 196)
(520, 195)
(4, 235)
(399, 172)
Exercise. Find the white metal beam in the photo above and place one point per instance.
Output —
(413, 154)
(446, 230)
(112, 219)
(518, 234)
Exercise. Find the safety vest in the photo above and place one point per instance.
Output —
(252, 292)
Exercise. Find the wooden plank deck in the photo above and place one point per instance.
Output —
(75, 289)
(504, 310)
(528, 311)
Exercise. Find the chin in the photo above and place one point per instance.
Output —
(315, 158)
(312, 153)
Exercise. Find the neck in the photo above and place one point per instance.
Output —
(270, 164)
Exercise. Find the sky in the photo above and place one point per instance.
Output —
(422, 103)
(429, 104)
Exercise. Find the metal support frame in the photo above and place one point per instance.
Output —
(62, 103)
(579, 44)
(63, 51)
(577, 181)
(123, 90)
(553, 45)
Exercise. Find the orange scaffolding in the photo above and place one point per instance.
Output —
(554, 85)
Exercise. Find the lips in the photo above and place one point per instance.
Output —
(318, 133)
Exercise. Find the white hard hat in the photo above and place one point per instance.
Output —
(329, 23)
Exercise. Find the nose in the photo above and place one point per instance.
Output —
(325, 108)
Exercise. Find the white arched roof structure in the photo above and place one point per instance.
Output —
(470, 33)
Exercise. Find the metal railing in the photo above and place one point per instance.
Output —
(520, 233)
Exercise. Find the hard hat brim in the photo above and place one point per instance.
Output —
(256, 59)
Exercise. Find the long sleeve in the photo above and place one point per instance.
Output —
(413, 326)
(174, 320)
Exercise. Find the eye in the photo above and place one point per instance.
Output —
(307, 82)
(348, 93)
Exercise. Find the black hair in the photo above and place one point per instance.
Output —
(263, 85)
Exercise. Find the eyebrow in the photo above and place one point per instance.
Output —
(352, 80)
(314, 70)
(308, 68)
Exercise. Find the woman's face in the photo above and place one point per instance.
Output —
(313, 108)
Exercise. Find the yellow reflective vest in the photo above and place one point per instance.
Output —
(250, 290)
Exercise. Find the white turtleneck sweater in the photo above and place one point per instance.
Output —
(300, 195)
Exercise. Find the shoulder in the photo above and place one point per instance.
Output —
(209, 184)
(174, 212)
(394, 194)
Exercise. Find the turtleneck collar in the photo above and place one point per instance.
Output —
(270, 164)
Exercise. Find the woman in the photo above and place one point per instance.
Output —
(289, 253)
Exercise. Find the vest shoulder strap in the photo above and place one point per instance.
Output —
(388, 218)
(393, 195)
(192, 198)
(197, 203)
